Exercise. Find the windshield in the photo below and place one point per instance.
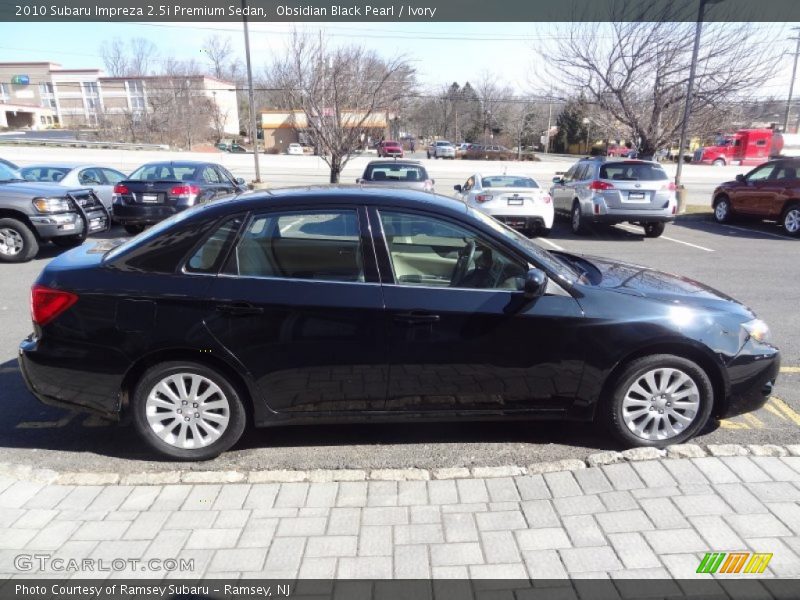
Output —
(9, 174)
(629, 171)
(152, 232)
(509, 181)
(165, 171)
(556, 264)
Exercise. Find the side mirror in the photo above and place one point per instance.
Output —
(740, 178)
(240, 180)
(558, 180)
(535, 284)
(457, 187)
(359, 180)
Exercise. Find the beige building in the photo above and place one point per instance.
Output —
(283, 127)
(38, 95)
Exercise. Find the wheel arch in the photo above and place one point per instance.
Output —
(704, 359)
(135, 372)
(786, 204)
(10, 213)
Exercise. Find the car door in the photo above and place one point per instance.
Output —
(466, 190)
(778, 189)
(213, 183)
(227, 185)
(461, 336)
(93, 177)
(562, 198)
(749, 198)
(299, 305)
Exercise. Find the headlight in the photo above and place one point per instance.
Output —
(49, 205)
(757, 329)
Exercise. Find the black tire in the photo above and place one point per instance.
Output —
(720, 162)
(790, 219)
(22, 245)
(543, 231)
(723, 212)
(611, 407)
(134, 229)
(68, 241)
(577, 221)
(653, 230)
(237, 417)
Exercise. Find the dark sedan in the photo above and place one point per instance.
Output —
(158, 190)
(334, 304)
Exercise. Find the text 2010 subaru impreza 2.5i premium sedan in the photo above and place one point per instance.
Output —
(314, 305)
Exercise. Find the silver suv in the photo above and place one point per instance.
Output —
(596, 190)
(441, 149)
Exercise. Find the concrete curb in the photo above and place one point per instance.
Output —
(192, 477)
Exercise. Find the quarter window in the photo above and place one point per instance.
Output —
(430, 252)
(318, 245)
(209, 256)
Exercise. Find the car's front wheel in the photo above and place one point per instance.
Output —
(187, 411)
(722, 210)
(659, 400)
(17, 242)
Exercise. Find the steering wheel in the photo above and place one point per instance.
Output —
(465, 257)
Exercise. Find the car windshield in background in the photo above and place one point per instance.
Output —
(8, 174)
(632, 172)
(164, 172)
(443, 143)
(509, 181)
(44, 173)
(396, 172)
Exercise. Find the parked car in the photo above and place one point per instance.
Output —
(770, 191)
(478, 152)
(516, 200)
(233, 148)
(615, 150)
(441, 149)
(596, 190)
(294, 148)
(397, 173)
(158, 190)
(100, 178)
(336, 304)
(461, 149)
(33, 213)
(389, 148)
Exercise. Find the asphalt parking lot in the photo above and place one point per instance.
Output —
(754, 263)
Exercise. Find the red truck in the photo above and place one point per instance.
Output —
(748, 147)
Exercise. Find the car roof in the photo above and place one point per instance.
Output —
(402, 161)
(187, 163)
(66, 165)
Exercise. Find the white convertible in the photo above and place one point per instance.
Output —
(516, 200)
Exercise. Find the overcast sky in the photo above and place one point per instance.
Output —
(441, 52)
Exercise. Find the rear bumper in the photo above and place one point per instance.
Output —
(140, 214)
(637, 217)
(526, 222)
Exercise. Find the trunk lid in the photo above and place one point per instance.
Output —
(634, 185)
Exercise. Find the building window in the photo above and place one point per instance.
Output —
(4, 95)
(136, 98)
(47, 94)
(137, 103)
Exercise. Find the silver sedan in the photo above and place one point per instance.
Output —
(101, 179)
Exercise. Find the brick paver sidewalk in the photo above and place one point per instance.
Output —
(654, 518)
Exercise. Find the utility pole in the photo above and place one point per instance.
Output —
(791, 85)
(549, 119)
(251, 96)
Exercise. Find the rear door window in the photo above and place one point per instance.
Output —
(90, 177)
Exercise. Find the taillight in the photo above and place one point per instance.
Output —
(483, 198)
(47, 303)
(547, 199)
(184, 190)
(668, 186)
(600, 185)
(121, 189)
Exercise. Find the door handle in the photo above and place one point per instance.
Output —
(416, 318)
(240, 309)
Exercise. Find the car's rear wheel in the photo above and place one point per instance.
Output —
(17, 242)
(791, 220)
(134, 229)
(720, 162)
(577, 221)
(187, 411)
(653, 230)
(659, 400)
(68, 241)
(722, 210)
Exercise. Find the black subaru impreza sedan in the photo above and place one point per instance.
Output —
(330, 304)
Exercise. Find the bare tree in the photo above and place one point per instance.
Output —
(342, 93)
(143, 54)
(219, 51)
(638, 72)
(131, 60)
(115, 57)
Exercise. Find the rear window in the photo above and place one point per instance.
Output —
(396, 172)
(170, 171)
(632, 172)
(443, 144)
(509, 181)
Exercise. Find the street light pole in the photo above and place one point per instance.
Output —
(791, 85)
(687, 107)
(251, 96)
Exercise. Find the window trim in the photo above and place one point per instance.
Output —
(184, 262)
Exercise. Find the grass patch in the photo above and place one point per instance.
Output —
(696, 209)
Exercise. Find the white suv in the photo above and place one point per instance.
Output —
(441, 149)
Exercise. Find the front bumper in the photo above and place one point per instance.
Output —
(141, 214)
(49, 226)
(752, 374)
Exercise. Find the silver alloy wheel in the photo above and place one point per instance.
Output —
(11, 242)
(791, 222)
(187, 410)
(721, 210)
(661, 404)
